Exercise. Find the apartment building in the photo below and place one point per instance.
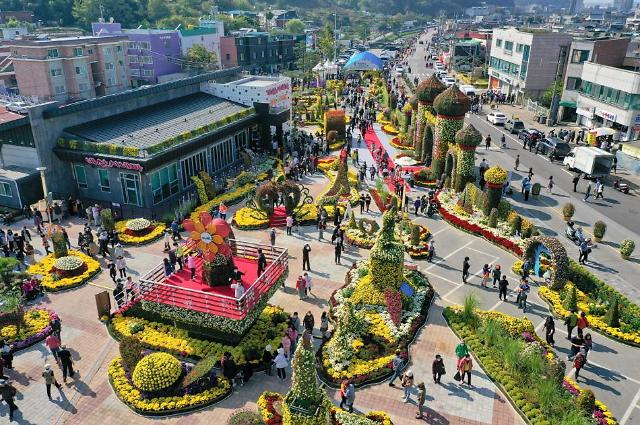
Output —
(70, 68)
(603, 51)
(524, 62)
(260, 52)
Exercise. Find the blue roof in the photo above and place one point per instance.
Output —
(363, 61)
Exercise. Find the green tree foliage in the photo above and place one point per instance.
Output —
(200, 57)
(571, 300)
(129, 13)
(158, 10)
(612, 318)
(295, 26)
(234, 24)
(326, 42)
(547, 96)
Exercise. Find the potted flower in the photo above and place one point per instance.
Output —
(599, 229)
(626, 248)
(568, 210)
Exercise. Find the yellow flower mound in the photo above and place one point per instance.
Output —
(358, 367)
(390, 129)
(367, 293)
(44, 266)
(595, 322)
(132, 397)
(379, 327)
(250, 218)
(495, 175)
(226, 197)
(156, 372)
(121, 227)
(163, 337)
(35, 321)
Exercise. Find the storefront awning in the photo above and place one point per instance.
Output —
(568, 104)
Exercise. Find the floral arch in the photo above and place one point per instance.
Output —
(539, 247)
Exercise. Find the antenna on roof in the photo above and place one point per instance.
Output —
(178, 27)
(139, 26)
(101, 12)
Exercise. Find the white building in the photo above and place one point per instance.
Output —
(208, 37)
(610, 97)
(525, 62)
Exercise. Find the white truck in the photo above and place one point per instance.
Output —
(590, 160)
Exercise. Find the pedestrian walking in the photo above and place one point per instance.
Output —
(600, 190)
(300, 283)
(496, 273)
(324, 324)
(262, 262)
(53, 344)
(466, 265)
(306, 249)
(576, 344)
(571, 321)
(351, 396)
(407, 385)
(121, 265)
(112, 271)
(550, 185)
(343, 392)
(168, 268)
(289, 221)
(281, 363)
(338, 252)
(549, 330)
(437, 368)
(523, 291)
(267, 360)
(487, 142)
(191, 264)
(397, 363)
(367, 201)
(8, 393)
(50, 379)
(6, 353)
(465, 365)
(67, 363)
(307, 283)
(486, 275)
(583, 323)
(502, 288)
(309, 322)
(422, 396)
(272, 238)
(431, 251)
(530, 174)
(462, 349)
(575, 181)
(587, 192)
(578, 364)
(517, 162)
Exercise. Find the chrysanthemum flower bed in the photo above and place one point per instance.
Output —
(57, 274)
(35, 328)
(139, 231)
(525, 368)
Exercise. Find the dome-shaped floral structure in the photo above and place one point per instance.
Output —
(466, 140)
(429, 89)
(156, 372)
(452, 102)
(413, 101)
(468, 136)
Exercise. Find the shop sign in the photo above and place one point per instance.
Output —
(108, 163)
(637, 120)
(275, 90)
(585, 112)
(606, 115)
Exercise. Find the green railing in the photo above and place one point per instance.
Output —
(130, 151)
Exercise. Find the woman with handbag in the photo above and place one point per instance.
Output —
(464, 368)
(437, 368)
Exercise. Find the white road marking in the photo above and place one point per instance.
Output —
(632, 406)
(449, 255)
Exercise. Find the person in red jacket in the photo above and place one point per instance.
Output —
(583, 323)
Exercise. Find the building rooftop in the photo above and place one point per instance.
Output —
(15, 172)
(7, 116)
(190, 32)
(152, 125)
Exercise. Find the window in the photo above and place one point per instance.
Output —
(228, 56)
(132, 44)
(262, 53)
(81, 176)
(241, 56)
(109, 81)
(108, 50)
(508, 46)
(103, 180)
(133, 59)
(80, 70)
(579, 56)
(89, 51)
(83, 87)
(573, 83)
(519, 47)
(60, 89)
(56, 71)
(192, 166)
(5, 190)
(147, 72)
(135, 71)
(223, 154)
(146, 59)
(53, 53)
(144, 45)
(254, 55)
(118, 48)
(131, 188)
(108, 65)
(164, 183)
(78, 51)
(498, 42)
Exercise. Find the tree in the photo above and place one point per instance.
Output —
(158, 9)
(547, 96)
(234, 24)
(8, 267)
(295, 26)
(326, 42)
(200, 57)
(612, 318)
(268, 17)
(306, 59)
(128, 13)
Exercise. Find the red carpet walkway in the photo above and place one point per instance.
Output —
(279, 217)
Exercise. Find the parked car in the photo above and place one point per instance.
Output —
(514, 126)
(18, 107)
(530, 135)
(496, 118)
(449, 81)
(553, 146)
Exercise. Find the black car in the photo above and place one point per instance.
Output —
(553, 146)
(529, 134)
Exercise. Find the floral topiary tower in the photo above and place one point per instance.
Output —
(340, 186)
(209, 237)
(466, 141)
(450, 105)
(426, 93)
(306, 403)
(386, 260)
(495, 178)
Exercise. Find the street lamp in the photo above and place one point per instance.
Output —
(43, 179)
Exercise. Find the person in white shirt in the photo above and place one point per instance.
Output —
(238, 288)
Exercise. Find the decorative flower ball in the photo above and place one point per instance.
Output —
(428, 89)
(156, 371)
(452, 102)
(68, 263)
(495, 175)
(138, 224)
(468, 136)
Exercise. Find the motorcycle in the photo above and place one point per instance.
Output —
(621, 187)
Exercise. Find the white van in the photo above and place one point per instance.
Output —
(469, 90)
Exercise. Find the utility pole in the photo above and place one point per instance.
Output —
(553, 108)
